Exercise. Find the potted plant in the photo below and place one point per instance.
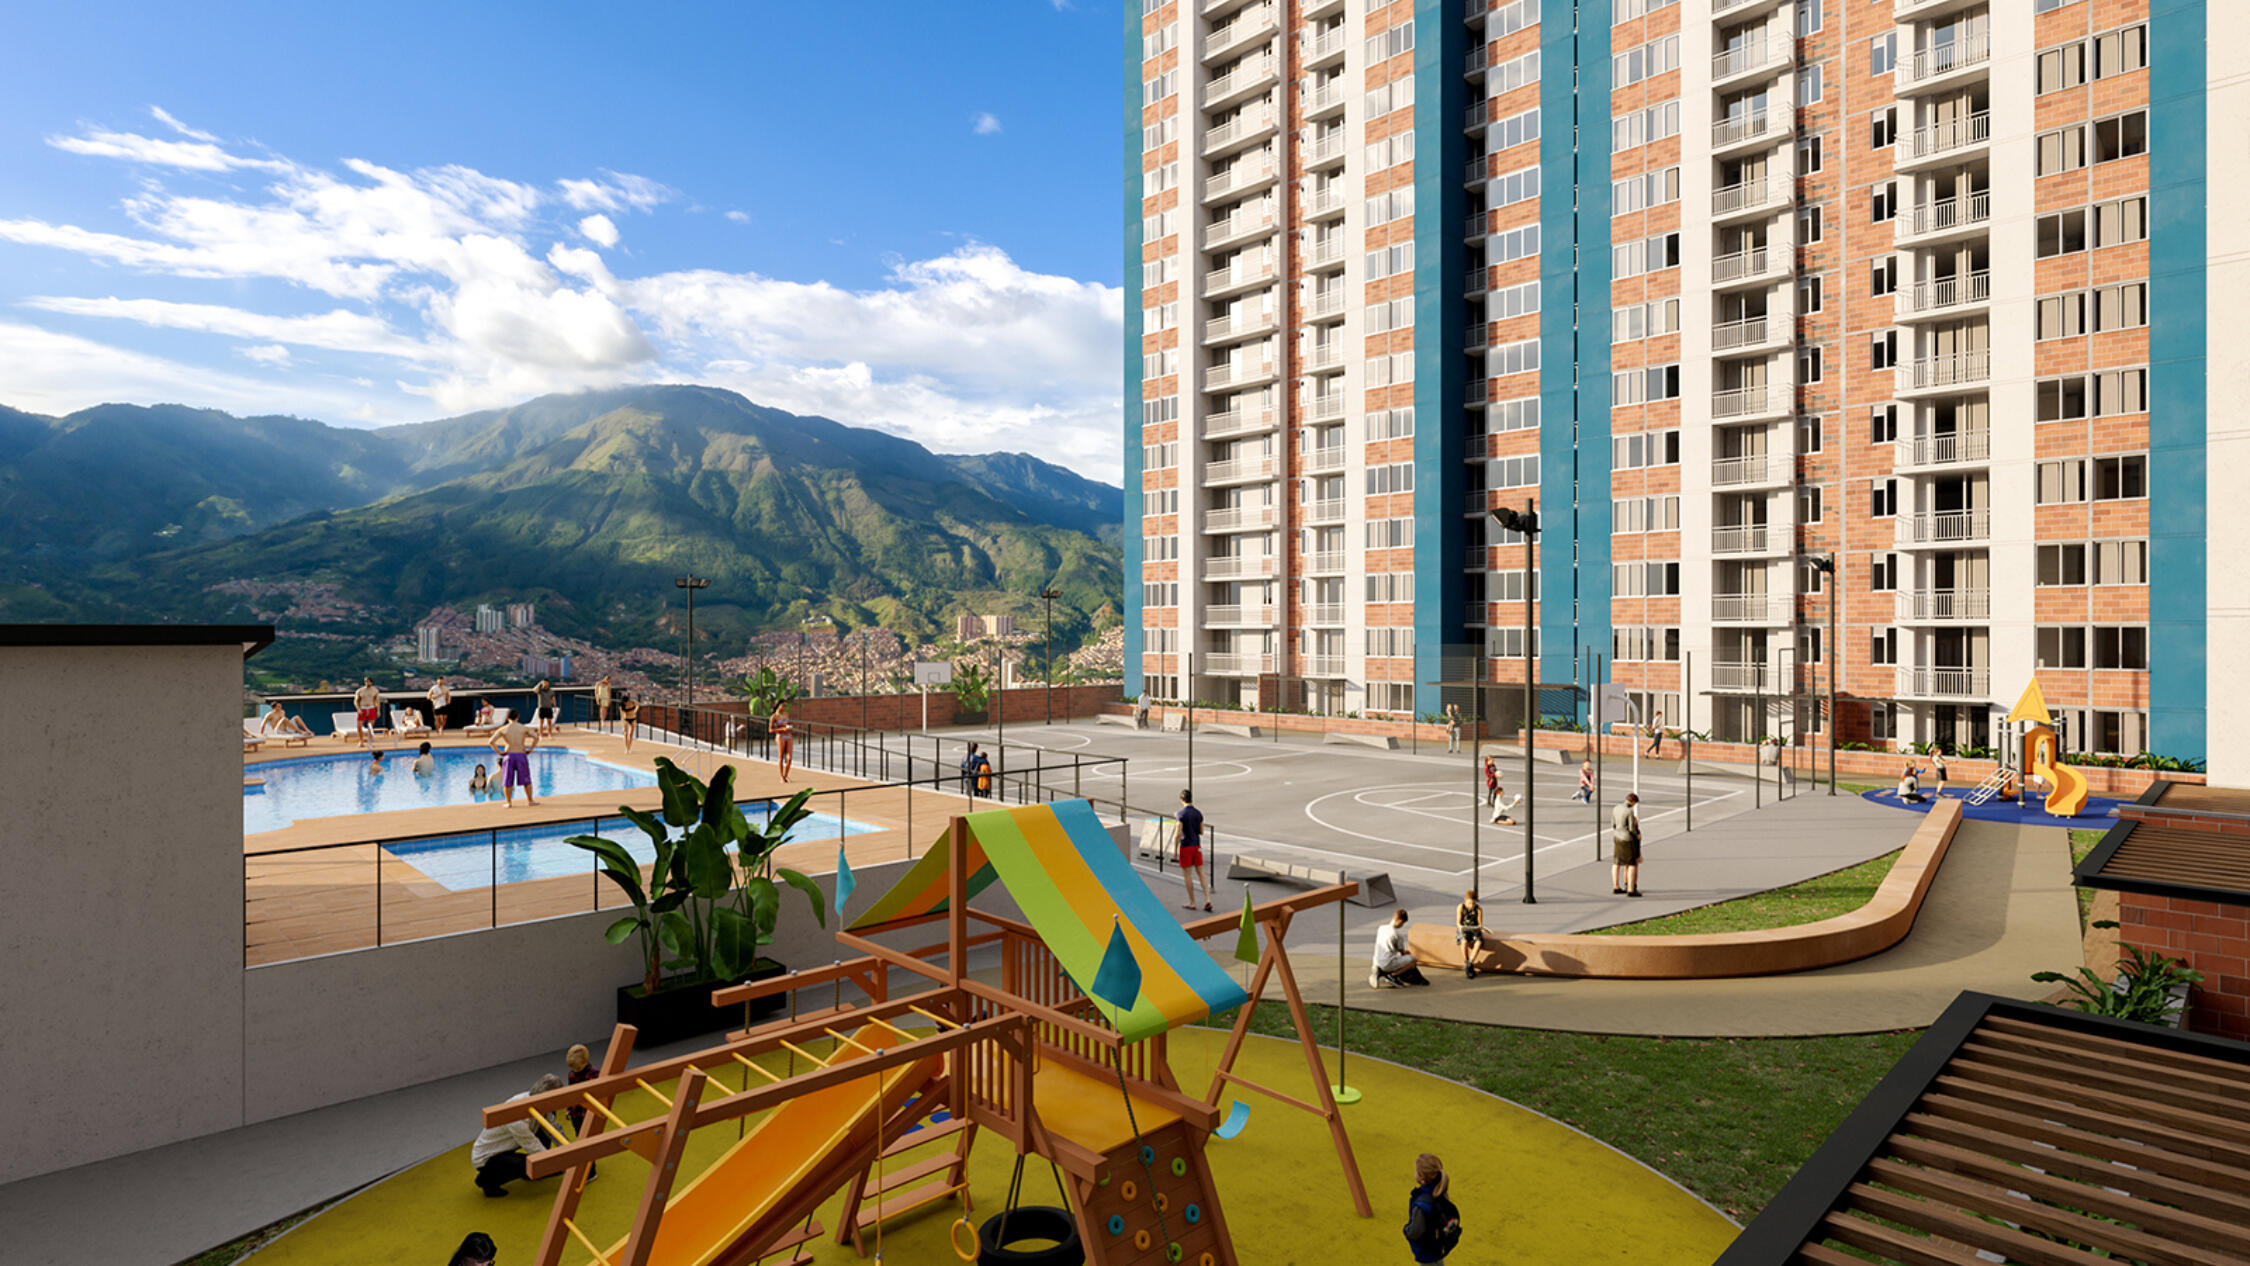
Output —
(972, 691)
(763, 692)
(2150, 988)
(709, 903)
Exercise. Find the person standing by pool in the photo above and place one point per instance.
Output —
(424, 763)
(784, 738)
(543, 695)
(441, 698)
(1191, 851)
(601, 700)
(368, 702)
(629, 711)
(515, 747)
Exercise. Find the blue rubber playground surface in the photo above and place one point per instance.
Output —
(2098, 810)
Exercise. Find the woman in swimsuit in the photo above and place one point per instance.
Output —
(478, 782)
(629, 712)
(784, 738)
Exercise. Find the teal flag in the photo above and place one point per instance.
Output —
(1118, 982)
(844, 880)
(1246, 942)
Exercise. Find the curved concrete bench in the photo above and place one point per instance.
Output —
(1235, 728)
(1382, 741)
(1883, 922)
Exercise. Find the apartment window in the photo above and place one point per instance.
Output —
(1808, 155)
(1640, 386)
(1511, 415)
(1644, 320)
(2121, 137)
(1882, 201)
(1395, 148)
(1644, 448)
(1388, 424)
(1810, 362)
(2120, 646)
(1627, 10)
(2063, 647)
(1516, 129)
(1882, 718)
(1810, 293)
(1808, 17)
(2063, 149)
(1882, 128)
(1383, 316)
(1882, 572)
(1159, 456)
(1503, 78)
(2060, 316)
(1513, 472)
(1882, 275)
(1162, 40)
(2063, 233)
(1160, 87)
(1808, 225)
(1642, 126)
(1882, 649)
(1390, 477)
(1647, 189)
(1648, 255)
(2061, 68)
(2121, 478)
(1396, 204)
(2061, 483)
(1390, 261)
(1882, 423)
(2121, 307)
(1384, 45)
(1512, 301)
(1652, 58)
(1510, 188)
(1882, 53)
(1161, 133)
(2049, 6)
(2120, 52)
(2125, 220)
(1808, 435)
(1809, 504)
(2120, 562)
(1644, 580)
(1809, 84)
(1382, 371)
(1507, 19)
(1808, 645)
(1511, 358)
(1882, 498)
(1882, 351)
(1514, 244)
(2060, 399)
(1645, 514)
(2060, 565)
(1160, 364)
(1158, 412)
(2119, 391)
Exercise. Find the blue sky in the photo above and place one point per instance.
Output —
(902, 215)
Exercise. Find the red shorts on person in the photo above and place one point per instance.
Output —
(1191, 856)
(368, 716)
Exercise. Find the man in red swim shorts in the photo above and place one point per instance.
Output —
(369, 701)
(1191, 850)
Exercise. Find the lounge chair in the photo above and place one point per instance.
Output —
(408, 721)
(254, 732)
(251, 738)
(346, 725)
(499, 718)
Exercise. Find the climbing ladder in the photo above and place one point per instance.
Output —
(1991, 785)
(887, 1190)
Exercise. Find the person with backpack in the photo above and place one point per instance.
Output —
(1433, 1224)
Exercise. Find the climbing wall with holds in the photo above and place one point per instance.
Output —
(1153, 1203)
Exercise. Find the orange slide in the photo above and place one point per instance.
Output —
(2069, 794)
(800, 1154)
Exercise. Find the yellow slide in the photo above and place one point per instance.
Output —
(799, 1155)
(2069, 794)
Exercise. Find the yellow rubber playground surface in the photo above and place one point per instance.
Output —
(1531, 1191)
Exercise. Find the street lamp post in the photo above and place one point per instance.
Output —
(691, 582)
(1048, 596)
(1526, 521)
(1827, 568)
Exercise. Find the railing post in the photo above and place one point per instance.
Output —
(378, 894)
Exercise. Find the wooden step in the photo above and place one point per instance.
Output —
(893, 1179)
(915, 1199)
(793, 1244)
(926, 1135)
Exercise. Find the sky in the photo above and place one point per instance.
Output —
(897, 215)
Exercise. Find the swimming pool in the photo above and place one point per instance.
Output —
(328, 786)
(474, 859)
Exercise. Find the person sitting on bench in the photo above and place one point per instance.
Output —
(1394, 964)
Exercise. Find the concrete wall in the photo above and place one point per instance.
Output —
(121, 911)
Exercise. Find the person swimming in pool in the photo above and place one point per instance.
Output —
(515, 744)
(375, 761)
(478, 783)
(424, 763)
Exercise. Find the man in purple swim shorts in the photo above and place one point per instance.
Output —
(514, 744)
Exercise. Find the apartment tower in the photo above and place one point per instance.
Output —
(1733, 292)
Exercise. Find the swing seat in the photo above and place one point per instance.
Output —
(1238, 1116)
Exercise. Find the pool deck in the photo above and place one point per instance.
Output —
(356, 894)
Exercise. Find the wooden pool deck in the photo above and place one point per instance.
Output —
(353, 893)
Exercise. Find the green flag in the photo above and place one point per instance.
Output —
(1246, 944)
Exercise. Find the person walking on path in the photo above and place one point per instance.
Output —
(368, 702)
(784, 738)
(1625, 847)
(1655, 734)
(1468, 933)
(500, 1151)
(441, 697)
(601, 700)
(1585, 792)
(543, 696)
(629, 712)
(1491, 782)
(1453, 727)
(515, 744)
(1191, 851)
(969, 771)
(1140, 712)
(1394, 962)
(1433, 1224)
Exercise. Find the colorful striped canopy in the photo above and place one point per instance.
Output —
(1061, 866)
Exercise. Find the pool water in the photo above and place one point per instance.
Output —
(474, 859)
(329, 786)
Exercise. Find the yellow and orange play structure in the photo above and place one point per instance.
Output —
(2041, 754)
(1060, 1071)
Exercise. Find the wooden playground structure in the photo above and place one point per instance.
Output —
(1043, 1060)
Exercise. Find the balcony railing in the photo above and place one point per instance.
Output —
(1220, 377)
(1239, 176)
(1324, 665)
(1952, 213)
(1325, 254)
(1944, 683)
(1326, 510)
(1328, 406)
(1755, 55)
(1240, 273)
(1745, 263)
(1947, 292)
(1758, 468)
(1748, 127)
(1238, 566)
(1225, 327)
(1957, 370)
(1238, 519)
(1236, 227)
(1239, 470)
(1326, 303)
(1476, 280)
(1747, 676)
(1751, 608)
(1325, 613)
(1241, 77)
(1218, 426)
(1328, 149)
(1476, 225)
(1748, 195)
(1330, 356)
(1747, 332)
(1324, 562)
(1920, 605)
(1744, 402)
(1242, 127)
(1321, 205)
(1326, 46)
(1953, 134)
(1322, 99)
(1248, 25)
(1238, 616)
(1743, 538)
(1235, 665)
(1941, 450)
(1475, 613)
(1322, 460)
(1944, 59)
(1944, 527)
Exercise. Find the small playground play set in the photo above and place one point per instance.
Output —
(1065, 1059)
(2031, 758)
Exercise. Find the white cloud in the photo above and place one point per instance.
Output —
(164, 116)
(614, 191)
(340, 330)
(987, 124)
(267, 353)
(739, 217)
(133, 147)
(599, 229)
(49, 372)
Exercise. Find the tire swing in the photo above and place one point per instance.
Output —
(1016, 1223)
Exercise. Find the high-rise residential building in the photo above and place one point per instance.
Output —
(490, 619)
(1725, 289)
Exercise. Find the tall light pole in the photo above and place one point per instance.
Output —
(1833, 580)
(1048, 596)
(1526, 521)
(691, 582)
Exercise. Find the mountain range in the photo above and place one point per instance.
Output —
(587, 503)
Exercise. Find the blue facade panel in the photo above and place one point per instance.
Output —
(2178, 392)
(1440, 430)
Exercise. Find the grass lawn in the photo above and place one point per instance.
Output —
(2082, 841)
(1731, 1119)
(1821, 897)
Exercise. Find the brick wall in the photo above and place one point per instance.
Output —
(1025, 705)
(2214, 938)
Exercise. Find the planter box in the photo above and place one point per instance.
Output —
(963, 716)
(684, 1010)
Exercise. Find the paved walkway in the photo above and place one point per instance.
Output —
(2000, 909)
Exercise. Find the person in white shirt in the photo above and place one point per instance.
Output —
(440, 696)
(1394, 962)
(499, 1154)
